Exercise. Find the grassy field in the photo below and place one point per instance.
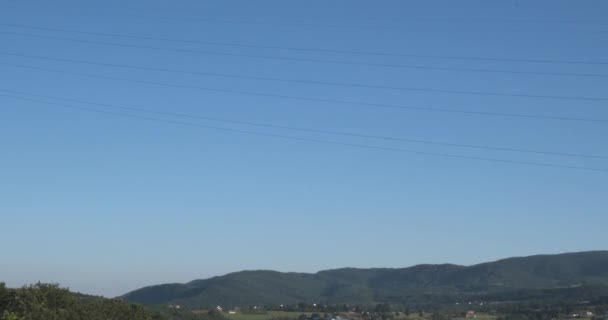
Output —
(267, 316)
(285, 314)
(480, 316)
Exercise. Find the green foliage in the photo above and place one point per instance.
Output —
(6, 315)
(422, 286)
(50, 302)
(601, 310)
(440, 316)
(4, 299)
(383, 308)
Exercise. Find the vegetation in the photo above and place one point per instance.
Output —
(563, 276)
(50, 302)
(268, 315)
(531, 288)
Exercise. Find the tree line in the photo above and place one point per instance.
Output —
(51, 302)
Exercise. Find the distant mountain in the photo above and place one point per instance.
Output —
(534, 277)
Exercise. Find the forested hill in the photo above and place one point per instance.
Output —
(557, 276)
(50, 302)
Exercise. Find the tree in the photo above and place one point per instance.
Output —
(4, 297)
(51, 302)
(9, 316)
(383, 308)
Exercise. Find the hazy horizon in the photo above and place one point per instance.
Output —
(113, 293)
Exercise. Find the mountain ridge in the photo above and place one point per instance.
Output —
(399, 285)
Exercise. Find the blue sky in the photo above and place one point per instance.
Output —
(105, 203)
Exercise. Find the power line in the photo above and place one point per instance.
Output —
(275, 126)
(360, 26)
(308, 25)
(350, 26)
(366, 64)
(300, 98)
(436, 154)
(433, 19)
(392, 24)
(368, 53)
(594, 75)
(369, 86)
(307, 60)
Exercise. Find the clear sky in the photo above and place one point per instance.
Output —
(105, 203)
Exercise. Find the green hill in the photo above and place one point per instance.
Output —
(50, 302)
(538, 276)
